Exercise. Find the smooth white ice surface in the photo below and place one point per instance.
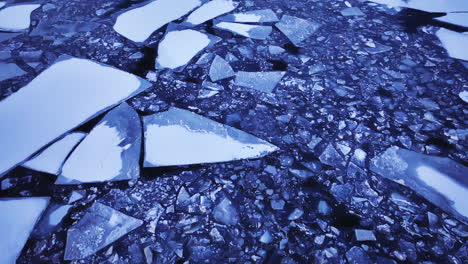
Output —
(211, 10)
(249, 31)
(460, 19)
(17, 219)
(455, 43)
(139, 23)
(16, 18)
(51, 159)
(62, 97)
(428, 5)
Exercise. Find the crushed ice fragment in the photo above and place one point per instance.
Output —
(331, 157)
(275, 50)
(297, 30)
(51, 219)
(210, 10)
(220, 69)
(464, 95)
(98, 228)
(111, 151)
(460, 19)
(357, 255)
(254, 16)
(455, 43)
(76, 195)
(351, 11)
(10, 70)
(16, 18)
(225, 212)
(364, 235)
(261, 81)
(266, 238)
(180, 137)
(248, 31)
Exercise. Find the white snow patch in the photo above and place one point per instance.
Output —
(16, 18)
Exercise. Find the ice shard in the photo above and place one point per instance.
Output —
(10, 70)
(51, 159)
(249, 31)
(139, 23)
(297, 30)
(441, 181)
(210, 10)
(52, 217)
(220, 69)
(180, 137)
(455, 43)
(261, 81)
(17, 219)
(65, 95)
(16, 18)
(255, 16)
(111, 151)
(98, 228)
(428, 6)
(460, 19)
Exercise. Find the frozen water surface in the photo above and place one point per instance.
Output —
(16, 18)
(428, 6)
(220, 69)
(255, 16)
(249, 31)
(65, 95)
(296, 29)
(460, 19)
(211, 10)
(455, 43)
(10, 70)
(180, 137)
(261, 81)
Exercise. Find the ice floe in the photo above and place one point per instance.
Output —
(455, 43)
(17, 219)
(428, 6)
(65, 95)
(261, 81)
(254, 16)
(10, 70)
(111, 151)
(296, 29)
(180, 137)
(51, 218)
(249, 31)
(220, 69)
(210, 10)
(460, 19)
(16, 18)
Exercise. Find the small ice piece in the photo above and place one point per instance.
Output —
(139, 23)
(111, 151)
(17, 220)
(464, 95)
(296, 29)
(357, 255)
(460, 19)
(10, 70)
(438, 6)
(255, 16)
(65, 95)
(351, 11)
(76, 195)
(52, 217)
(364, 235)
(51, 159)
(16, 18)
(98, 228)
(220, 69)
(210, 10)
(226, 213)
(248, 31)
(180, 137)
(275, 50)
(261, 81)
(455, 43)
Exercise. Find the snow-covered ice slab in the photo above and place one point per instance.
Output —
(10, 70)
(180, 137)
(441, 181)
(65, 95)
(210, 10)
(261, 81)
(220, 69)
(248, 31)
(17, 219)
(51, 159)
(98, 228)
(111, 151)
(455, 43)
(297, 30)
(139, 23)
(16, 18)
(428, 6)
(255, 16)
(460, 19)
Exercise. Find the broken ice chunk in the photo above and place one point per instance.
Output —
(455, 43)
(16, 18)
(248, 31)
(442, 6)
(10, 70)
(180, 137)
(255, 16)
(51, 219)
(17, 219)
(99, 227)
(460, 19)
(261, 81)
(210, 10)
(51, 159)
(351, 11)
(464, 96)
(139, 23)
(440, 180)
(226, 213)
(62, 97)
(296, 29)
(111, 151)
(220, 69)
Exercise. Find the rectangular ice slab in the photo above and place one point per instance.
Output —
(180, 137)
(261, 81)
(248, 31)
(16, 18)
(255, 16)
(65, 95)
(428, 6)
(455, 43)
(210, 10)
(441, 181)
(296, 29)
(139, 23)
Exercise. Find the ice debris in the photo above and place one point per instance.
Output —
(364, 235)
(455, 43)
(254, 16)
(225, 212)
(220, 69)
(357, 255)
(261, 81)
(210, 10)
(16, 18)
(297, 30)
(10, 70)
(464, 96)
(248, 31)
(351, 11)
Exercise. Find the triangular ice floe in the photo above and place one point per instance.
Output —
(248, 31)
(296, 29)
(254, 16)
(455, 43)
(220, 69)
(16, 18)
(261, 81)
(210, 10)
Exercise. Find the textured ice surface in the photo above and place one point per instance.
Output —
(10, 70)
(99, 227)
(51, 219)
(139, 23)
(428, 6)
(460, 19)
(440, 180)
(249, 31)
(261, 81)
(51, 159)
(220, 69)
(17, 219)
(455, 43)
(296, 29)
(179, 47)
(225, 212)
(16, 18)
(255, 16)
(180, 137)
(110, 152)
(65, 95)
(211, 10)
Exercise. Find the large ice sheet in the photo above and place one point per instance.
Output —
(98, 228)
(16, 18)
(65, 95)
(51, 159)
(441, 181)
(296, 29)
(111, 151)
(17, 219)
(460, 19)
(220, 69)
(139, 23)
(249, 31)
(255, 16)
(455, 43)
(428, 6)
(10, 70)
(180, 137)
(210, 10)
(261, 81)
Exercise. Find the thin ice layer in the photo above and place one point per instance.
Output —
(460, 19)
(297, 30)
(17, 219)
(249, 31)
(261, 81)
(211, 10)
(180, 137)
(455, 43)
(10, 70)
(16, 18)
(255, 16)
(428, 6)
(65, 95)
(139, 23)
